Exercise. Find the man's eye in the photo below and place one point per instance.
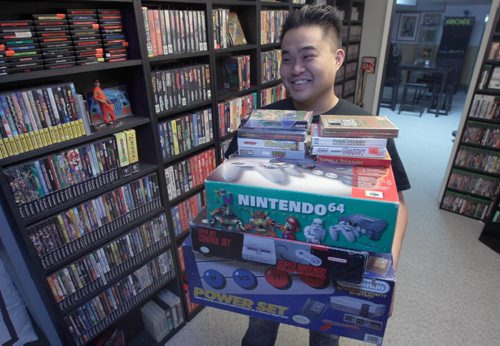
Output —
(286, 60)
(308, 57)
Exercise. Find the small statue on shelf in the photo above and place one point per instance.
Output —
(106, 105)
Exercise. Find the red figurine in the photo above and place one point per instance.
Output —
(107, 107)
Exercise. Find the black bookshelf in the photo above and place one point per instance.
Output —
(351, 41)
(473, 185)
(136, 74)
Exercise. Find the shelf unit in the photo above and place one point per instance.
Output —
(472, 186)
(346, 80)
(137, 73)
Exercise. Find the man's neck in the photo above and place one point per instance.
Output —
(318, 108)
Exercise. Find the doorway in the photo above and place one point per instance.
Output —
(432, 51)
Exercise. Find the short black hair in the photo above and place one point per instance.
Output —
(326, 17)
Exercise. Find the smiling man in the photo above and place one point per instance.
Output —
(311, 57)
(310, 61)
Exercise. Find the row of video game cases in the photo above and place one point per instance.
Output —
(90, 319)
(60, 40)
(79, 227)
(80, 278)
(55, 179)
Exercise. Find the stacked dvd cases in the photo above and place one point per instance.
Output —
(95, 315)
(75, 282)
(19, 47)
(84, 29)
(74, 230)
(52, 180)
(113, 37)
(55, 40)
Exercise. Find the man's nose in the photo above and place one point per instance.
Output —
(297, 67)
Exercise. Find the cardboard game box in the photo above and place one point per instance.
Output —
(371, 126)
(336, 307)
(341, 206)
(276, 119)
(291, 256)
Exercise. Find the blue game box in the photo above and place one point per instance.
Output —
(358, 311)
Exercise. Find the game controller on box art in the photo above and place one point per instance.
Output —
(293, 257)
(343, 206)
(358, 311)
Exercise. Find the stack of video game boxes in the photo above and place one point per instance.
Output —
(55, 40)
(113, 37)
(19, 47)
(86, 37)
(297, 242)
(59, 40)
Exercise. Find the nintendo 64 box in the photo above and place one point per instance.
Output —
(358, 311)
(342, 206)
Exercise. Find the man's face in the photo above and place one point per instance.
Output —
(308, 68)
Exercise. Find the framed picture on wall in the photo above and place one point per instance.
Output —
(368, 64)
(431, 19)
(408, 25)
(427, 35)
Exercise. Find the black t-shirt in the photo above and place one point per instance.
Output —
(347, 108)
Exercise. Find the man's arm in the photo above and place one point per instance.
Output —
(401, 223)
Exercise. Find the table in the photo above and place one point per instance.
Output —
(440, 99)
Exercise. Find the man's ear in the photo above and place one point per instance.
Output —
(339, 57)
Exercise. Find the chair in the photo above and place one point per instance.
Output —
(413, 98)
(441, 99)
(392, 77)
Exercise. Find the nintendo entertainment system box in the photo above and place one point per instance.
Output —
(291, 256)
(266, 290)
(341, 206)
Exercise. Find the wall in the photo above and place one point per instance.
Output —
(376, 25)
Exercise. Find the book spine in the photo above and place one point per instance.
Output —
(316, 139)
(277, 135)
(271, 144)
(53, 106)
(8, 115)
(152, 31)
(163, 32)
(351, 142)
(168, 32)
(147, 30)
(157, 35)
(70, 92)
(349, 151)
(19, 118)
(32, 110)
(133, 155)
(122, 148)
(271, 153)
(62, 103)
